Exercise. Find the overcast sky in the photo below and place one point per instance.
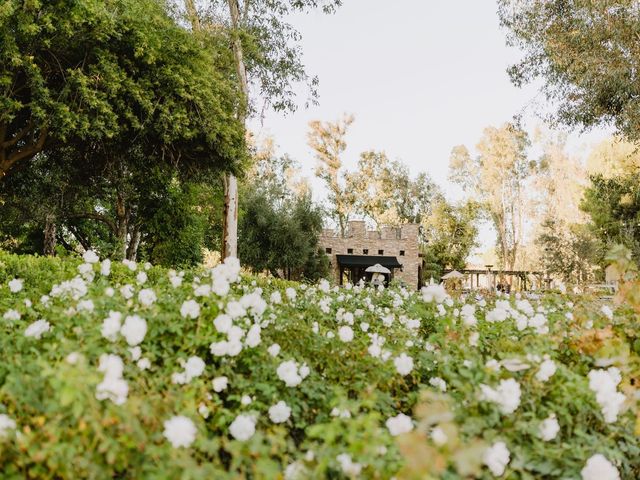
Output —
(420, 76)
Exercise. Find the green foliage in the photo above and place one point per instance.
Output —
(281, 236)
(87, 72)
(131, 209)
(279, 224)
(568, 252)
(178, 227)
(613, 205)
(450, 234)
(586, 52)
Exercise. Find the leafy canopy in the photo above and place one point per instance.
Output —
(586, 52)
(115, 71)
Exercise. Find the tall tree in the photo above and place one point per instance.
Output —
(267, 57)
(450, 233)
(327, 139)
(613, 204)
(567, 251)
(385, 192)
(497, 178)
(560, 181)
(562, 243)
(88, 72)
(586, 52)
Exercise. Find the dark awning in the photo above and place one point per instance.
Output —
(367, 261)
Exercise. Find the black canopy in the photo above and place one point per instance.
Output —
(367, 261)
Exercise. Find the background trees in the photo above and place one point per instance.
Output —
(327, 139)
(450, 235)
(87, 72)
(383, 192)
(587, 54)
(135, 110)
(279, 223)
(613, 205)
(267, 58)
(497, 178)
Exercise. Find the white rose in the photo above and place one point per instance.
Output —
(180, 431)
(243, 427)
(280, 412)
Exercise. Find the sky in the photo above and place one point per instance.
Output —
(420, 77)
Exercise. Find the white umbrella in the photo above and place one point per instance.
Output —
(377, 268)
(453, 274)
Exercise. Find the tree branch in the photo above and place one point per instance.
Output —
(96, 216)
(81, 239)
(19, 136)
(23, 153)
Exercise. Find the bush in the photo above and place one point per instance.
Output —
(52, 387)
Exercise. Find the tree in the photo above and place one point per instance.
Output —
(559, 182)
(497, 178)
(280, 226)
(568, 251)
(129, 209)
(327, 139)
(586, 52)
(379, 190)
(613, 157)
(90, 72)
(267, 55)
(613, 204)
(563, 245)
(385, 192)
(450, 234)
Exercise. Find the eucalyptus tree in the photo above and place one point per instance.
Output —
(327, 139)
(268, 63)
(497, 178)
(587, 54)
(386, 193)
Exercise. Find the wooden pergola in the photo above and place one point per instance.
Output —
(522, 276)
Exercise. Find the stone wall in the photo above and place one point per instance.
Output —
(401, 243)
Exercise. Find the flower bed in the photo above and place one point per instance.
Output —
(133, 371)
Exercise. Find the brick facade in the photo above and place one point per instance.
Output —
(401, 242)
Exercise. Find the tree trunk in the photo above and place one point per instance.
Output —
(49, 247)
(122, 226)
(79, 237)
(230, 219)
(192, 13)
(134, 243)
(230, 223)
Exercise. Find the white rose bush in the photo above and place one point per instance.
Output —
(213, 373)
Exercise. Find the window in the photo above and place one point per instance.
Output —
(402, 253)
(365, 251)
(328, 250)
(380, 252)
(349, 250)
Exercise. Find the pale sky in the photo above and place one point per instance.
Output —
(420, 76)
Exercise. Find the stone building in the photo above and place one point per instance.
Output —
(394, 248)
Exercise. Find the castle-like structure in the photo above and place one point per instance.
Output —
(396, 248)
